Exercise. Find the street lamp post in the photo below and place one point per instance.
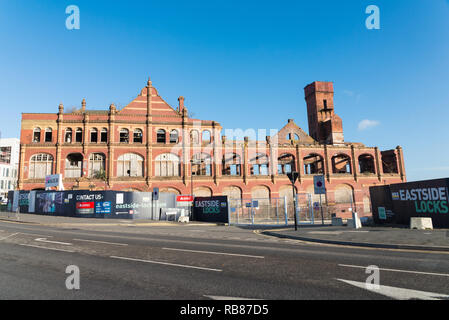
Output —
(293, 176)
(191, 187)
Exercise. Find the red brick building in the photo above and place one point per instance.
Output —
(150, 144)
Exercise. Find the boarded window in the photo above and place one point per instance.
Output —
(167, 165)
(41, 165)
(130, 165)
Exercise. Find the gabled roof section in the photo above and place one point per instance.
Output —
(158, 105)
(292, 132)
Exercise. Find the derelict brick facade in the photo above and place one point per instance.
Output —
(258, 168)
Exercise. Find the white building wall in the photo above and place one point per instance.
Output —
(9, 171)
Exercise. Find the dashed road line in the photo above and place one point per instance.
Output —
(40, 247)
(166, 263)
(49, 241)
(398, 270)
(219, 253)
(103, 242)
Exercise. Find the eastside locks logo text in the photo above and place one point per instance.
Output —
(210, 206)
(427, 200)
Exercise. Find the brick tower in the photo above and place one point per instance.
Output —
(324, 125)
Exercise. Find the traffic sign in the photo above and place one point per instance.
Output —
(155, 193)
(319, 185)
(293, 176)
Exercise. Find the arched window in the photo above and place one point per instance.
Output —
(104, 135)
(286, 163)
(130, 165)
(205, 138)
(341, 163)
(79, 135)
(94, 135)
(96, 164)
(231, 165)
(74, 165)
(389, 162)
(138, 136)
(201, 164)
(174, 136)
(313, 164)
(160, 136)
(259, 165)
(124, 136)
(41, 165)
(366, 164)
(292, 136)
(37, 135)
(48, 135)
(68, 135)
(194, 137)
(167, 165)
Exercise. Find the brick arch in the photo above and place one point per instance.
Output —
(232, 190)
(342, 166)
(202, 191)
(170, 190)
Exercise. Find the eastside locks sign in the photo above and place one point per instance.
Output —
(427, 198)
(211, 209)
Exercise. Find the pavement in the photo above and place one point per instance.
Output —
(61, 221)
(393, 237)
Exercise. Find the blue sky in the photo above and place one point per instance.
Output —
(241, 63)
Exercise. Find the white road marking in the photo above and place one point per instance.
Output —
(166, 263)
(228, 298)
(398, 270)
(55, 249)
(399, 293)
(35, 234)
(105, 242)
(9, 236)
(212, 252)
(55, 242)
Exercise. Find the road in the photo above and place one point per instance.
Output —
(204, 262)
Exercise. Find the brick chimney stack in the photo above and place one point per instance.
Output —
(325, 126)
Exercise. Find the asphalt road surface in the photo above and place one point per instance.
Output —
(208, 262)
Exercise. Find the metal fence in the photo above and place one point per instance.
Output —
(280, 211)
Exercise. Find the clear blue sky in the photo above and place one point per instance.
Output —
(241, 63)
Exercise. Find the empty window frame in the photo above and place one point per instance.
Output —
(48, 135)
(37, 135)
(174, 136)
(138, 136)
(68, 135)
(74, 165)
(259, 165)
(79, 135)
(94, 135)
(286, 164)
(124, 135)
(97, 163)
(231, 165)
(341, 164)
(313, 164)
(160, 136)
(104, 135)
(201, 165)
